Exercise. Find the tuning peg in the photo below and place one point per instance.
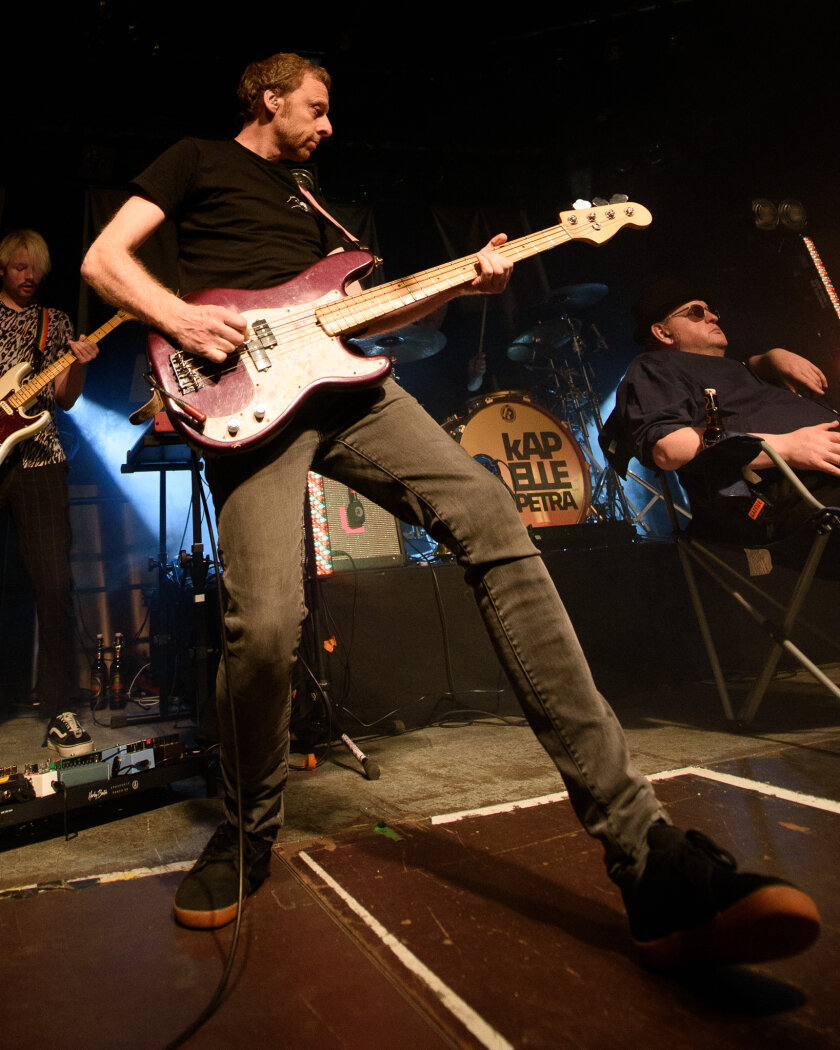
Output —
(619, 198)
(599, 202)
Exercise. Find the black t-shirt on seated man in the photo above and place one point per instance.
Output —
(242, 221)
(662, 392)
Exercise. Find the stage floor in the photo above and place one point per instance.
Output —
(386, 923)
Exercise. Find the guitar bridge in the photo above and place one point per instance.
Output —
(186, 376)
(262, 340)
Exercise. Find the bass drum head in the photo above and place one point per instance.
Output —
(533, 453)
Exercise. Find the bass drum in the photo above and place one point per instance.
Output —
(531, 452)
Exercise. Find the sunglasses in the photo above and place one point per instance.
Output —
(695, 312)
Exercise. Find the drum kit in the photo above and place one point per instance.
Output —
(539, 440)
(558, 356)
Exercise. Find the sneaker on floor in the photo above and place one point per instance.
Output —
(209, 893)
(690, 906)
(66, 737)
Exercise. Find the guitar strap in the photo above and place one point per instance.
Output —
(145, 412)
(330, 218)
(41, 332)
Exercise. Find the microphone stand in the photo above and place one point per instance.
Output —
(313, 637)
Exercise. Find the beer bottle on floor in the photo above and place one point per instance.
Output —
(98, 675)
(117, 693)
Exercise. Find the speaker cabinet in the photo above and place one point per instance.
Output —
(350, 531)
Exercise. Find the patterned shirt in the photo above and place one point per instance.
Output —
(19, 332)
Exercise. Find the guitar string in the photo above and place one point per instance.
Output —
(450, 274)
(420, 285)
(426, 283)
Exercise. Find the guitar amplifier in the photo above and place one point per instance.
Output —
(351, 532)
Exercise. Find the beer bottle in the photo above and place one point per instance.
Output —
(98, 675)
(117, 692)
(714, 427)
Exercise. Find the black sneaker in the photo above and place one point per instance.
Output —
(690, 906)
(209, 893)
(66, 737)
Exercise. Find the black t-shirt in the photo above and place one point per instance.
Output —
(242, 221)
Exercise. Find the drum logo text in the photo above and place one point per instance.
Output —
(540, 482)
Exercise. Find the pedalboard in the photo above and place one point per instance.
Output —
(45, 788)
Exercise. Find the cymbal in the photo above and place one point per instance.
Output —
(574, 297)
(412, 343)
(544, 338)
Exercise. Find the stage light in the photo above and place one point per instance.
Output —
(768, 214)
(765, 214)
(109, 436)
(792, 214)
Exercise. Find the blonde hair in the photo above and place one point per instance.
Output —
(282, 74)
(33, 242)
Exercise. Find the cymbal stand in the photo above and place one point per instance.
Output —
(615, 500)
(607, 492)
(608, 500)
(604, 477)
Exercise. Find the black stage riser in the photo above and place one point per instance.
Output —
(629, 605)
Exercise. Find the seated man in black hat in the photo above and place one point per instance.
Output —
(660, 417)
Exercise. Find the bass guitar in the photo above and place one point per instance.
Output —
(296, 333)
(18, 393)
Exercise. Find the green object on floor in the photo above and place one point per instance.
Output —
(382, 829)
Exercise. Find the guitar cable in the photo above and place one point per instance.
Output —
(190, 410)
(221, 987)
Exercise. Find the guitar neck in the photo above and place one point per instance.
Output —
(593, 225)
(34, 386)
(356, 312)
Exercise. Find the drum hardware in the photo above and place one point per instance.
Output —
(419, 545)
(609, 502)
(543, 340)
(566, 387)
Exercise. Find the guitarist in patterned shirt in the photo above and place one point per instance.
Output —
(33, 476)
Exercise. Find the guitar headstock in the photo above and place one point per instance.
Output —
(597, 224)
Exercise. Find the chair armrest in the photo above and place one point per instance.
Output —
(791, 476)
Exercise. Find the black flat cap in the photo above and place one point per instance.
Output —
(660, 299)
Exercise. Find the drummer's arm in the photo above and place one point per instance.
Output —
(476, 367)
(492, 273)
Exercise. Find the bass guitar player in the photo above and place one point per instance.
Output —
(243, 223)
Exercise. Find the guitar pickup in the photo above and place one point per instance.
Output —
(187, 377)
(262, 340)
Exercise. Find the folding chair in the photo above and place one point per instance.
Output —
(779, 623)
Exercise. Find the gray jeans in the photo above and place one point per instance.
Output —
(383, 444)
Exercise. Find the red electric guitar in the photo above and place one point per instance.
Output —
(15, 424)
(296, 332)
